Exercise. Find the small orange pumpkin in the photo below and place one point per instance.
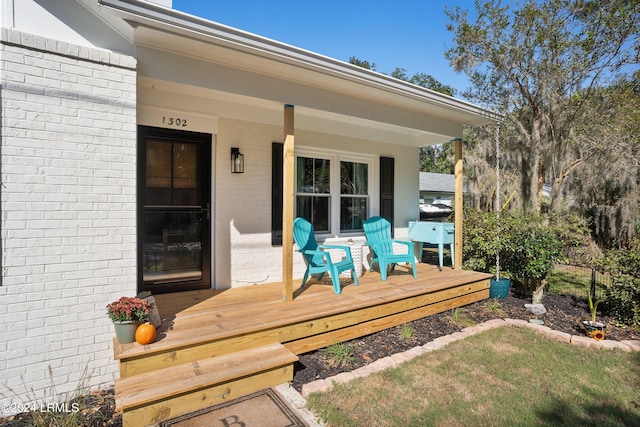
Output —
(145, 333)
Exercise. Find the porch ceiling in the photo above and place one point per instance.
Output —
(259, 72)
(189, 98)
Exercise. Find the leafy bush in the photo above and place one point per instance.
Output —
(622, 298)
(530, 245)
(527, 244)
(531, 252)
(480, 241)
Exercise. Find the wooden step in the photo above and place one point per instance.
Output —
(165, 393)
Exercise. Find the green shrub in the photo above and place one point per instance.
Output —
(531, 252)
(528, 246)
(480, 241)
(622, 297)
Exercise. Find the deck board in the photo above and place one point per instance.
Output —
(199, 316)
(207, 337)
(190, 377)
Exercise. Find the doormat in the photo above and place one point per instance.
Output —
(262, 409)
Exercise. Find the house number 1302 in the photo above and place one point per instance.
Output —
(174, 121)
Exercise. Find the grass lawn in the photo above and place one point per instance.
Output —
(503, 377)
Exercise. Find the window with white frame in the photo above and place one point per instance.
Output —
(333, 191)
(354, 195)
(313, 191)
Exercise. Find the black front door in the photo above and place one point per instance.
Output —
(174, 210)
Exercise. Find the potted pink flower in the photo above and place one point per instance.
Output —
(126, 314)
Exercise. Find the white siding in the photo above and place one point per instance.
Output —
(68, 203)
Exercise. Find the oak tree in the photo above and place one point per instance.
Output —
(538, 63)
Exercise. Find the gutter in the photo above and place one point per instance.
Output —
(155, 16)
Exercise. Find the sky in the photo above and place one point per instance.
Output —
(410, 34)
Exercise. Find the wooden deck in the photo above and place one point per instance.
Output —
(206, 328)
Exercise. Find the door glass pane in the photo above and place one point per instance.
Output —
(184, 166)
(172, 174)
(172, 247)
(158, 172)
(185, 175)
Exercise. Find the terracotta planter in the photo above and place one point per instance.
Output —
(595, 331)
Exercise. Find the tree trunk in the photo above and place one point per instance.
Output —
(556, 190)
(531, 163)
(540, 185)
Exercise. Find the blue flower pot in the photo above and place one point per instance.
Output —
(499, 288)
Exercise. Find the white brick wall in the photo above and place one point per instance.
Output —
(244, 255)
(68, 205)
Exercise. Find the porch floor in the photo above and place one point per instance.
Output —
(195, 317)
(214, 346)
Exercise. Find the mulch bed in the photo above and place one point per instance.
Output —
(563, 314)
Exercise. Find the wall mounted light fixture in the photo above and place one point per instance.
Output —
(237, 160)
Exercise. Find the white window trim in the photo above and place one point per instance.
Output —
(335, 157)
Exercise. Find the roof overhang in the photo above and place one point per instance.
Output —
(258, 71)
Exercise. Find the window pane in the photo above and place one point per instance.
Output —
(313, 175)
(314, 209)
(353, 212)
(354, 178)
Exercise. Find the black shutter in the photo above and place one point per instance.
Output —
(276, 193)
(386, 188)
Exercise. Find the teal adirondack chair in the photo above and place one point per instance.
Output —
(319, 262)
(378, 232)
